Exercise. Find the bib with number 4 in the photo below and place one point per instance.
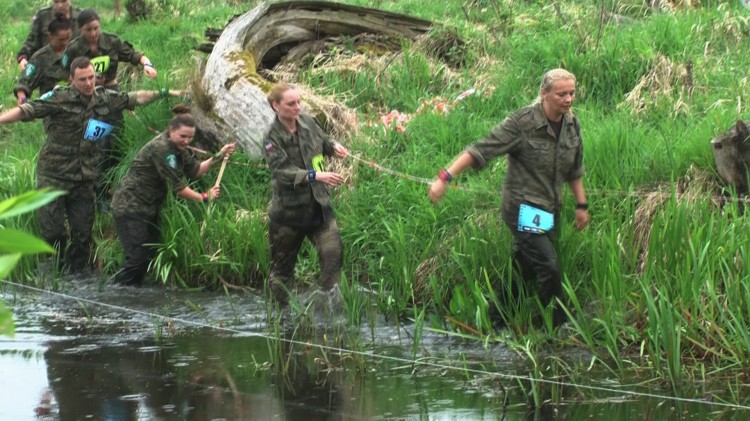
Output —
(97, 130)
(534, 220)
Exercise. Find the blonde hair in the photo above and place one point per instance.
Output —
(549, 78)
(278, 92)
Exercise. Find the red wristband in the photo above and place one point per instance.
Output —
(204, 196)
(21, 57)
(445, 176)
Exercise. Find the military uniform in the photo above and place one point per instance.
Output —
(111, 50)
(158, 168)
(44, 71)
(539, 162)
(38, 37)
(300, 208)
(68, 161)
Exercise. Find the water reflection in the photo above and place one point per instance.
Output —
(202, 376)
(67, 364)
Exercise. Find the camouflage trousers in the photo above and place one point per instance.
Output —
(135, 234)
(285, 244)
(78, 206)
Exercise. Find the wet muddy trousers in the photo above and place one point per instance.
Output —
(285, 244)
(536, 260)
(134, 234)
(78, 207)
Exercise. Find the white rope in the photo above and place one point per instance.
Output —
(387, 357)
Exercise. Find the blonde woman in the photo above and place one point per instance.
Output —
(544, 149)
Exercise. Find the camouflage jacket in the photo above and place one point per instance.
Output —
(74, 125)
(44, 71)
(111, 50)
(538, 164)
(37, 37)
(289, 157)
(158, 166)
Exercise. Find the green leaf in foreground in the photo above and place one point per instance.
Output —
(7, 326)
(27, 202)
(7, 262)
(15, 241)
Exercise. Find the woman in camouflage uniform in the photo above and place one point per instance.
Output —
(44, 70)
(544, 149)
(37, 37)
(300, 208)
(105, 50)
(161, 165)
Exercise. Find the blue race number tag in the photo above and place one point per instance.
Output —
(97, 130)
(534, 220)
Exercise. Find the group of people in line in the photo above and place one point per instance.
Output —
(82, 108)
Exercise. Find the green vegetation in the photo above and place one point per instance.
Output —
(658, 283)
(14, 243)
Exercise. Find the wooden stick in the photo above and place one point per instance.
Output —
(221, 171)
(467, 327)
(198, 150)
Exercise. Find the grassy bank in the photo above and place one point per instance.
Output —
(658, 281)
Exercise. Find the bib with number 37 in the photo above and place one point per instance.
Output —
(97, 130)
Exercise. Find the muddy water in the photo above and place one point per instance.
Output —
(156, 354)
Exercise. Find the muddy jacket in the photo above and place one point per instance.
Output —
(74, 125)
(289, 157)
(44, 71)
(111, 50)
(538, 164)
(37, 37)
(159, 166)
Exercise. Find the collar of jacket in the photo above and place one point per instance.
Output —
(98, 91)
(103, 46)
(164, 138)
(303, 123)
(540, 119)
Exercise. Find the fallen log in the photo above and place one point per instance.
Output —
(232, 102)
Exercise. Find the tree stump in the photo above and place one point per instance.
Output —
(732, 156)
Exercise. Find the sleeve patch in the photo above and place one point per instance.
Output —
(171, 161)
(30, 70)
(47, 96)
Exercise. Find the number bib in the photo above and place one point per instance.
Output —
(319, 163)
(97, 130)
(534, 220)
(101, 64)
